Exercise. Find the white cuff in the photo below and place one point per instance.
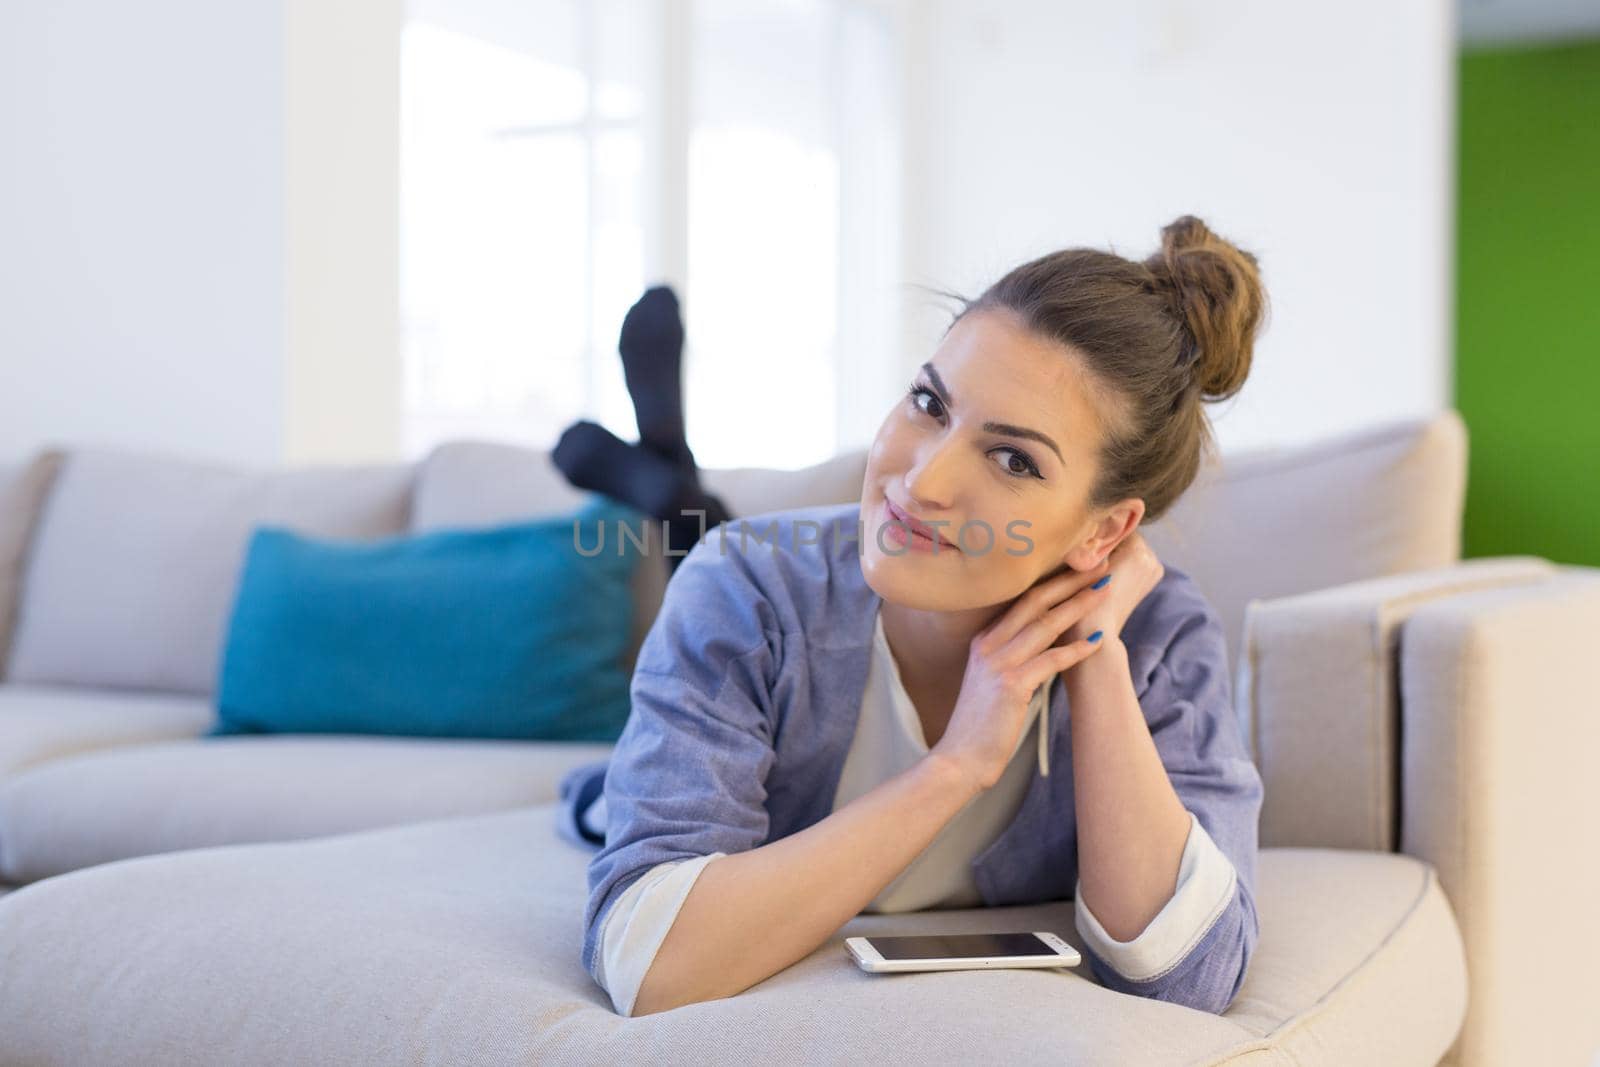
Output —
(1206, 883)
(637, 924)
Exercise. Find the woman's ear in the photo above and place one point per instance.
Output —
(1114, 525)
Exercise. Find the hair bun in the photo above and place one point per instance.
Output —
(1217, 294)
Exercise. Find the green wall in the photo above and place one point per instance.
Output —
(1528, 300)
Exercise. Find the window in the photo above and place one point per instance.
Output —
(558, 156)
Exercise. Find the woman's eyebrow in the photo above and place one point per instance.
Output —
(1003, 428)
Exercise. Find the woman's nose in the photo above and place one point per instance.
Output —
(929, 482)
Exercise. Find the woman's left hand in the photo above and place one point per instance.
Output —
(1135, 570)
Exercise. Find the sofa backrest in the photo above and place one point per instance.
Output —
(1266, 523)
(1275, 522)
(134, 563)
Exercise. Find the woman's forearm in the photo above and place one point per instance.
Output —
(751, 914)
(1131, 824)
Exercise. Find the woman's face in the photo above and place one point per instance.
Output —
(997, 446)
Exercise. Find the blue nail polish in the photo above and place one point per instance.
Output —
(1101, 582)
(1095, 636)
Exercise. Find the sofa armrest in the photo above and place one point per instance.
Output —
(1318, 702)
(23, 491)
(1500, 734)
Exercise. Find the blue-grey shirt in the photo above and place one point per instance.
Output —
(745, 700)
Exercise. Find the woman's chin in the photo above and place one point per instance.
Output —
(907, 582)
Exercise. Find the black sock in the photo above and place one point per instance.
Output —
(652, 364)
(593, 458)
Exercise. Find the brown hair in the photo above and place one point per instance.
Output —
(1158, 337)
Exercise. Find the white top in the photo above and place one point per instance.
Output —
(889, 740)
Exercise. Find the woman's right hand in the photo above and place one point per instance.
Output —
(1007, 661)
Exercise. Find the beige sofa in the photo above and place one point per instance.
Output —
(1422, 725)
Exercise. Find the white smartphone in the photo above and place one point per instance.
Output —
(961, 952)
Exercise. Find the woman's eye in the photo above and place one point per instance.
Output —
(1019, 464)
(917, 392)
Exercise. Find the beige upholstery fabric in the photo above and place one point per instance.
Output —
(1275, 522)
(112, 804)
(131, 578)
(753, 490)
(1317, 701)
(482, 483)
(39, 723)
(456, 942)
(23, 490)
(478, 483)
(1501, 729)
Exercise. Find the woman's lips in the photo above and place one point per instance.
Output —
(913, 534)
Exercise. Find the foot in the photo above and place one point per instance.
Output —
(595, 459)
(652, 363)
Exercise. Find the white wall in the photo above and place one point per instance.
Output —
(141, 225)
(153, 244)
(342, 394)
(1317, 136)
(185, 268)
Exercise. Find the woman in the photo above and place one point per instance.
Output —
(833, 713)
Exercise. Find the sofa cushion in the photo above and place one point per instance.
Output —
(457, 940)
(23, 488)
(1276, 521)
(39, 723)
(513, 632)
(136, 557)
(109, 805)
(479, 483)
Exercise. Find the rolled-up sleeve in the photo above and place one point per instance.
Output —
(1199, 947)
(1207, 886)
(687, 777)
(635, 926)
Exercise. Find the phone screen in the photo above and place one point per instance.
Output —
(960, 946)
